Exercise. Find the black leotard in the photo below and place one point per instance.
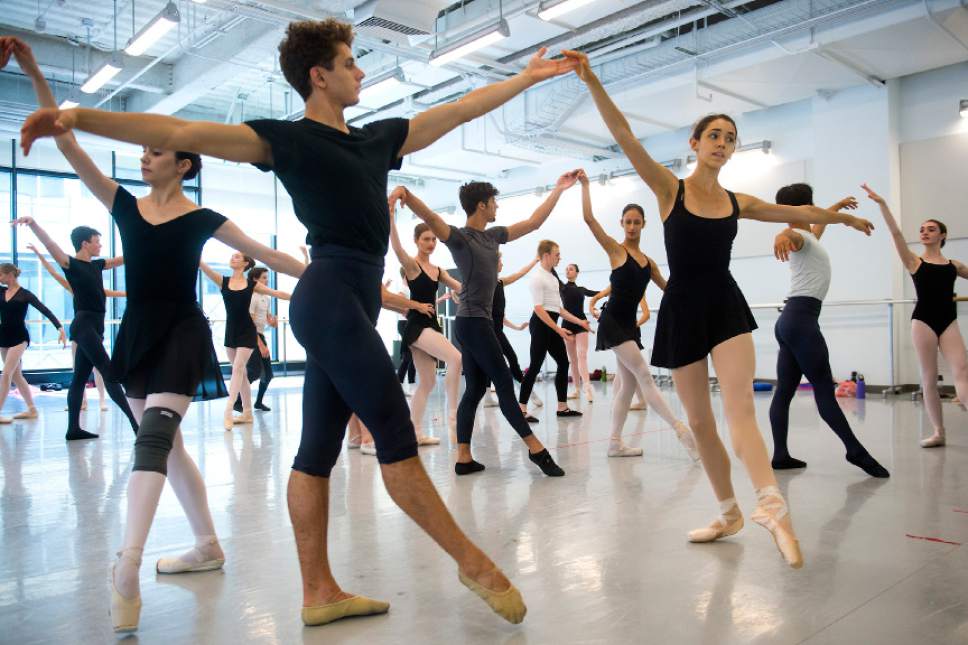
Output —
(702, 305)
(935, 286)
(573, 301)
(422, 289)
(164, 343)
(239, 329)
(617, 323)
(13, 313)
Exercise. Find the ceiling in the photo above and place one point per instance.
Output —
(665, 61)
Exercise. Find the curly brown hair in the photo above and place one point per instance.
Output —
(309, 43)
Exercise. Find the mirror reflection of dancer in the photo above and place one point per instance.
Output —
(83, 273)
(703, 312)
(474, 248)
(632, 270)
(241, 336)
(109, 293)
(934, 322)
(422, 334)
(803, 349)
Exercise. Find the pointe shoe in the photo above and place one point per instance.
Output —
(721, 527)
(125, 612)
(6, 420)
(353, 606)
(427, 440)
(573, 394)
(589, 393)
(536, 400)
(688, 441)
(618, 449)
(934, 441)
(29, 413)
(243, 419)
(177, 565)
(228, 422)
(507, 604)
(771, 509)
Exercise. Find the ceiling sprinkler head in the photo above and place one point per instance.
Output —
(40, 24)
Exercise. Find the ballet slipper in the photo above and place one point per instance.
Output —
(29, 413)
(507, 604)
(687, 440)
(934, 441)
(200, 563)
(125, 612)
(427, 440)
(618, 449)
(352, 606)
(227, 421)
(589, 393)
(729, 523)
(573, 394)
(770, 510)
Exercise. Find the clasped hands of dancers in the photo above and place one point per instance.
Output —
(337, 177)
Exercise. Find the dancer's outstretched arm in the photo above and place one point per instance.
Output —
(756, 209)
(54, 273)
(436, 223)
(102, 187)
(521, 327)
(402, 304)
(113, 263)
(232, 236)
(407, 261)
(660, 180)
(908, 257)
(616, 254)
(111, 293)
(53, 248)
(533, 223)
(604, 293)
(211, 273)
(428, 126)
(514, 277)
(273, 293)
(786, 242)
(848, 203)
(451, 283)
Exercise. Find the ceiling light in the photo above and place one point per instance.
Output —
(551, 10)
(153, 31)
(372, 93)
(105, 73)
(470, 43)
(963, 108)
(72, 101)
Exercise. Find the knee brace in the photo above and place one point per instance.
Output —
(155, 436)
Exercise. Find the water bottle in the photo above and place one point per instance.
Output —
(604, 375)
(861, 387)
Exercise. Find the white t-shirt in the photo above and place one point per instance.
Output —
(259, 309)
(544, 290)
(809, 268)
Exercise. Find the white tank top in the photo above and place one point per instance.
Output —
(809, 268)
(544, 290)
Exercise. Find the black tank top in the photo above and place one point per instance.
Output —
(422, 288)
(698, 248)
(628, 286)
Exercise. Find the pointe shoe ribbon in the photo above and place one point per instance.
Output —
(352, 606)
(507, 604)
(771, 509)
(125, 612)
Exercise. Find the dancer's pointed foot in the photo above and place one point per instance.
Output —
(868, 464)
(618, 449)
(29, 413)
(728, 523)
(787, 463)
(77, 433)
(773, 514)
(589, 393)
(505, 601)
(352, 606)
(126, 609)
(934, 441)
(546, 463)
(686, 438)
(206, 555)
(228, 421)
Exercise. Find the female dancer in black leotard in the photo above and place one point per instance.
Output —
(14, 338)
(934, 323)
(422, 334)
(573, 301)
(617, 328)
(703, 312)
(83, 274)
(108, 293)
(163, 354)
(241, 337)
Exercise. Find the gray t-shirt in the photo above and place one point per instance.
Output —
(475, 253)
(809, 268)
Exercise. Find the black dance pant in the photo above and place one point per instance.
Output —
(481, 357)
(87, 331)
(259, 368)
(545, 341)
(803, 352)
(347, 366)
(407, 368)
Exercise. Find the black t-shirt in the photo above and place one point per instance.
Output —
(161, 261)
(86, 283)
(337, 181)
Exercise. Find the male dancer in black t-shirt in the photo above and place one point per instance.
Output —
(337, 177)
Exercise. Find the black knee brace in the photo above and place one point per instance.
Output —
(155, 436)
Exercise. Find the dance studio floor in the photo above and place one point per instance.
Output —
(600, 555)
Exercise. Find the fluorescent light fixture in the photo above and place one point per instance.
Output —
(67, 104)
(746, 151)
(963, 108)
(105, 73)
(551, 10)
(153, 31)
(470, 43)
(372, 93)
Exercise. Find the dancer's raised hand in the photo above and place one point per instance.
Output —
(861, 224)
(580, 59)
(540, 68)
(46, 122)
(782, 247)
(567, 180)
(845, 204)
(877, 199)
(397, 196)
